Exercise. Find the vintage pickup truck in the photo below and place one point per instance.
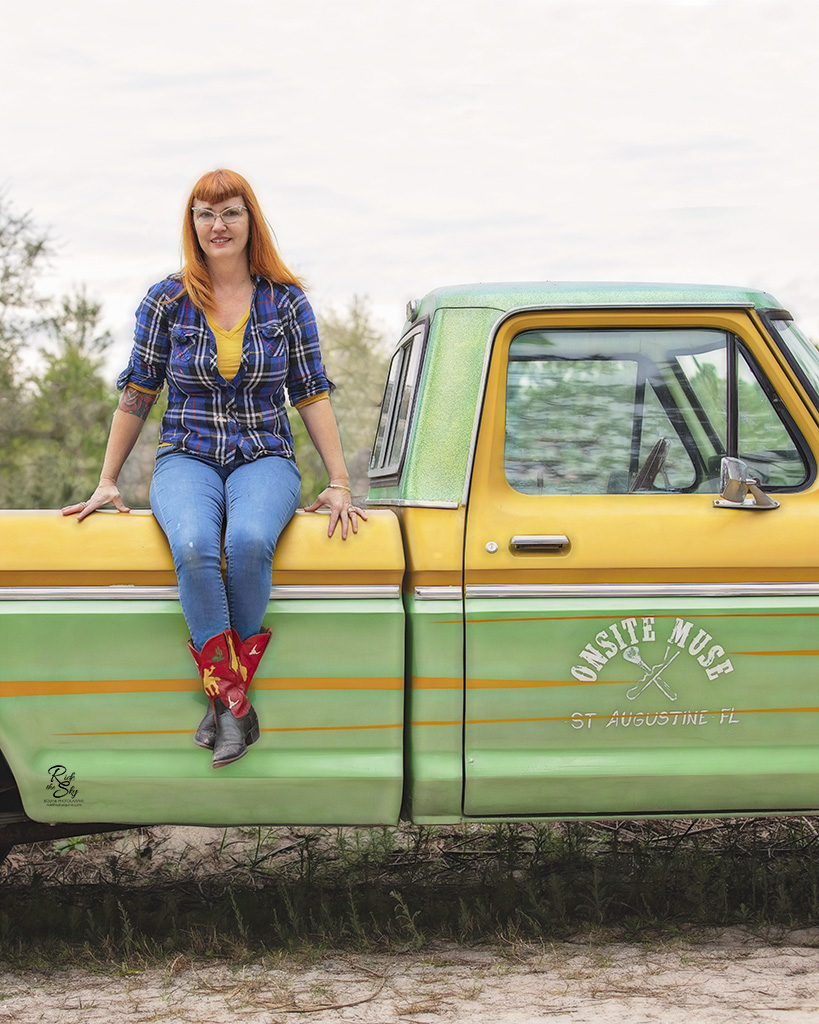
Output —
(588, 587)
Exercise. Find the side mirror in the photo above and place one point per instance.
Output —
(739, 490)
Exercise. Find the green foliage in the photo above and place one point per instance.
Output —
(74, 844)
(24, 255)
(356, 359)
(55, 408)
(69, 409)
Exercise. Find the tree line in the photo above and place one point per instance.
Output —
(56, 402)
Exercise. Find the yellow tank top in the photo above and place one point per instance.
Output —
(229, 346)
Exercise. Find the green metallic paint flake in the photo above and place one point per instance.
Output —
(601, 294)
(436, 464)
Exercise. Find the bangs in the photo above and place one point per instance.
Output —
(217, 186)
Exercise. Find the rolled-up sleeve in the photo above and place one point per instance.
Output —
(306, 378)
(149, 355)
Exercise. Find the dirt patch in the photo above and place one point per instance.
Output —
(729, 976)
(732, 974)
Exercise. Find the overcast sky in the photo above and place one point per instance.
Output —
(399, 146)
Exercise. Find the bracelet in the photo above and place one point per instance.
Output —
(340, 487)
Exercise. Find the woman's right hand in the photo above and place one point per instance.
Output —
(105, 494)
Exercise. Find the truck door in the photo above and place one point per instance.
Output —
(631, 648)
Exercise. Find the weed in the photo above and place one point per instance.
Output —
(407, 919)
(75, 844)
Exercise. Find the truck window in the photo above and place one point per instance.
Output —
(618, 411)
(396, 407)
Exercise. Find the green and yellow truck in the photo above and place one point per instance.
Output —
(588, 587)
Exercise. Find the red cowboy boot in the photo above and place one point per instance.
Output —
(250, 653)
(234, 721)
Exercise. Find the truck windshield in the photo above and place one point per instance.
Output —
(803, 351)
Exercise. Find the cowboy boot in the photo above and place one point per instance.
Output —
(205, 734)
(224, 678)
(250, 653)
(237, 725)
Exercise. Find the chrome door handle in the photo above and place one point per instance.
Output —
(540, 543)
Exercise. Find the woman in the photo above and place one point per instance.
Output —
(229, 334)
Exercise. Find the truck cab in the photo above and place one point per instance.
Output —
(624, 640)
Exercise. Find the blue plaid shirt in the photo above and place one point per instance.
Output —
(208, 415)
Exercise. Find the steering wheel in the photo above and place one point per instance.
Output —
(652, 464)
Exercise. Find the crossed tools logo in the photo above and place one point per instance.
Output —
(636, 640)
(651, 673)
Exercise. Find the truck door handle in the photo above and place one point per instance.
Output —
(540, 543)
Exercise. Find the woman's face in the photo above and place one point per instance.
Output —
(220, 241)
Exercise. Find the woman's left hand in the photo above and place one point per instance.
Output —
(340, 502)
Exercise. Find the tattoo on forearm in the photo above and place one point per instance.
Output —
(137, 403)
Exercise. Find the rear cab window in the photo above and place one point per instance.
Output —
(392, 432)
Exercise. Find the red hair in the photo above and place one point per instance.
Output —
(263, 258)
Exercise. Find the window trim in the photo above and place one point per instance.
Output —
(768, 318)
(781, 409)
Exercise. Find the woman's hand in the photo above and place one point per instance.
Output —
(105, 494)
(340, 502)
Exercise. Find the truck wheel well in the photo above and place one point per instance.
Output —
(11, 806)
(16, 827)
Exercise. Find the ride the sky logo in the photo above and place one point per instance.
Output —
(60, 785)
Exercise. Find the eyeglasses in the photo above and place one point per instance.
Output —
(228, 216)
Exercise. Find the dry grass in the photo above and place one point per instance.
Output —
(132, 898)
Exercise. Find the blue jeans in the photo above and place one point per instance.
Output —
(194, 501)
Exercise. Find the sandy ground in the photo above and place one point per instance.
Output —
(710, 976)
(730, 975)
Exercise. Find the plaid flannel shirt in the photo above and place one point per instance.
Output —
(207, 415)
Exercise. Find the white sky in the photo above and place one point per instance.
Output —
(400, 146)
